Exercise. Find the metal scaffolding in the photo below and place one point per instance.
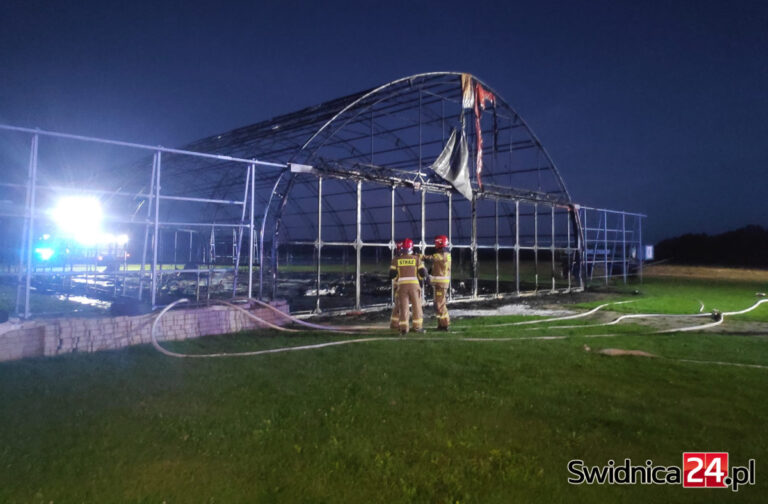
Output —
(322, 195)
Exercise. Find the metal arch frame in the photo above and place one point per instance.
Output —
(361, 99)
(436, 74)
(288, 124)
(284, 125)
(285, 182)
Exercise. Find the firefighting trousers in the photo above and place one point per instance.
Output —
(443, 320)
(409, 294)
(394, 320)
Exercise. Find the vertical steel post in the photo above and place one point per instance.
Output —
(552, 249)
(640, 246)
(156, 243)
(250, 231)
(536, 246)
(605, 245)
(475, 270)
(261, 255)
(568, 244)
(319, 243)
(392, 221)
(581, 246)
(624, 244)
(150, 200)
(392, 236)
(175, 245)
(275, 262)
(420, 135)
(358, 242)
(237, 237)
(496, 244)
(423, 243)
(450, 218)
(20, 277)
(117, 271)
(587, 273)
(190, 246)
(211, 261)
(517, 247)
(125, 270)
(31, 227)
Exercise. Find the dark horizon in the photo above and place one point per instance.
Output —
(673, 97)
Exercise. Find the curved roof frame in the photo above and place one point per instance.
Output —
(393, 95)
(397, 128)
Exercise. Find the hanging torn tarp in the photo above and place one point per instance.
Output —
(453, 164)
(474, 96)
(481, 96)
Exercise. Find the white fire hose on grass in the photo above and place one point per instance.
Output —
(250, 315)
(557, 319)
(625, 317)
(720, 319)
(170, 353)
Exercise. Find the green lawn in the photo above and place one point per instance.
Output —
(664, 295)
(389, 421)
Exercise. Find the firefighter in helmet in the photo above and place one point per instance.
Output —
(440, 279)
(394, 320)
(410, 273)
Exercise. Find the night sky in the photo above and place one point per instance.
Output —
(660, 107)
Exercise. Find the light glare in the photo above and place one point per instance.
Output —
(79, 217)
(44, 253)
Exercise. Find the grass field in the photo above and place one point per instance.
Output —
(393, 421)
(684, 295)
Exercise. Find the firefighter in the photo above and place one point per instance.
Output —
(441, 280)
(394, 320)
(410, 274)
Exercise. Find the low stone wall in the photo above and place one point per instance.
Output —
(46, 337)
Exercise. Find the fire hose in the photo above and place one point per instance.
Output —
(344, 330)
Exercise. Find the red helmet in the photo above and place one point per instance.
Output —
(441, 241)
(408, 245)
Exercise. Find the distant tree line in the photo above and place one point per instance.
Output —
(744, 247)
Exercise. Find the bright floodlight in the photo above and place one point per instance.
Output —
(45, 253)
(79, 217)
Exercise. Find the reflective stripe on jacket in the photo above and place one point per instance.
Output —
(409, 268)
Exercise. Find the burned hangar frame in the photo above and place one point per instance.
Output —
(314, 201)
